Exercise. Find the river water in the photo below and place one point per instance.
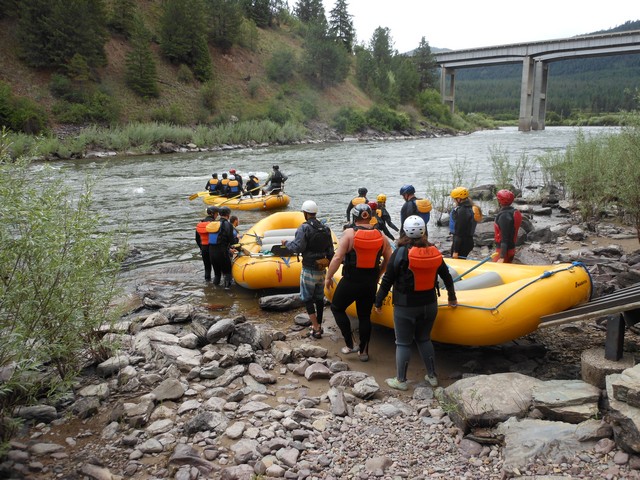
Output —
(150, 193)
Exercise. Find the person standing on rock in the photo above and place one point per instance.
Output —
(221, 237)
(412, 271)
(202, 239)
(464, 223)
(313, 240)
(506, 226)
(359, 250)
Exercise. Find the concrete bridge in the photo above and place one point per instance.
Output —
(535, 58)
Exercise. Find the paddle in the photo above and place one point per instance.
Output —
(473, 268)
(196, 195)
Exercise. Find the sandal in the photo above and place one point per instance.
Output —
(364, 357)
(316, 333)
(347, 350)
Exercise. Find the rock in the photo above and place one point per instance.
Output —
(258, 373)
(281, 351)
(307, 350)
(221, 329)
(112, 365)
(366, 388)
(317, 371)
(338, 402)
(37, 413)
(347, 379)
(257, 336)
(170, 389)
(572, 401)
(204, 421)
(281, 303)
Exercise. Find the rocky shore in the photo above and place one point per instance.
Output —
(192, 395)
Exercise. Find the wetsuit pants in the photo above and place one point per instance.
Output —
(206, 260)
(363, 292)
(463, 245)
(414, 324)
(220, 261)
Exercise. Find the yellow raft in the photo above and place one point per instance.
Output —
(262, 202)
(497, 302)
(256, 267)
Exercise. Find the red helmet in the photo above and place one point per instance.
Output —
(233, 171)
(505, 197)
(373, 205)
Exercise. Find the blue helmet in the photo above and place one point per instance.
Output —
(407, 190)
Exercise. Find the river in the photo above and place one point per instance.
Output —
(150, 193)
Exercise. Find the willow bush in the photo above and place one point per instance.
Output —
(58, 279)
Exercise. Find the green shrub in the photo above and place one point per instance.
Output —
(430, 104)
(99, 107)
(281, 65)
(172, 115)
(184, 75)
(309, 109)
(20, 114)
(252, 87)
(348, 120)
(385, 119)
(277, 113)
(55, 293)
(209, 92)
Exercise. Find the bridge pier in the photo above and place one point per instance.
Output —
(526, 94)
(448, 94)
(533, 94)
(539, 95)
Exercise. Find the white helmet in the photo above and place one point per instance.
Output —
(309, 206)
(231, 176)
(414, 227)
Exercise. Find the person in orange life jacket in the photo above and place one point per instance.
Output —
(359, 250)
(232, 188)
(221, 237)
(464, 223)
(377, 221)
(275, 181)
(506, 226)
(238, 177)
(384, 213)
(412, 271)
(253, 185)
(202, 239)
(313, 240)
(359, 200)
(212, 184)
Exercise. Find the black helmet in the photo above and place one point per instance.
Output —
(407, 190)
(214, 175)
(361, 211)
(225, 211)
(212, 210)
(276, 167)
(362, 191)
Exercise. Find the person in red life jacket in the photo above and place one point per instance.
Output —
(212, 184)
(412, 271)
(202, 239)
(377, 221)
(313, 240)
(359, 250)
(464, 223)
(384, 213)
(359, 200)
(221, 237)
(413, 206)
(506, 226)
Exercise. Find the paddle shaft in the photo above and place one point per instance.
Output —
(459, 277)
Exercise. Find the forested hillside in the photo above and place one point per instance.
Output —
(204, 62)
(591, 85)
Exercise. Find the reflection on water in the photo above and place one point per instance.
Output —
(150, 193)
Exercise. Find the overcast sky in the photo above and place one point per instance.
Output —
(459, 24)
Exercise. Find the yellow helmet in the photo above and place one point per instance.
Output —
(460, 193)
(382, 198)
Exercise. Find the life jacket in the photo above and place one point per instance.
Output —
(201, 228)
(212, 183)
(213, 228)
(477, 213)
(517, 221)
(423, 208)
(224, 182)
(276, 179)
(319, 243)
(367, 249)
(358, 201)
(234, 186)
(421, 270)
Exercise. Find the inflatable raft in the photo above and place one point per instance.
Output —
(262, 262)
(262, 202)
(497, 302)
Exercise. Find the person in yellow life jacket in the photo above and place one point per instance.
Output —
(212, 184)
(202, 239)
(384, 213)
(359, 200)
(232, 188)
(377, 221)
(412, 271)
(233, 172)
(360, 250)
(463, 222)
(253, 185)
(413, 206)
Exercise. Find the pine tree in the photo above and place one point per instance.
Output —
(325, 62)
(310, 11)
(141, 74)
(183, 36)
(225, 19)
(425, 63)
(123, 16)
(341, 25)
